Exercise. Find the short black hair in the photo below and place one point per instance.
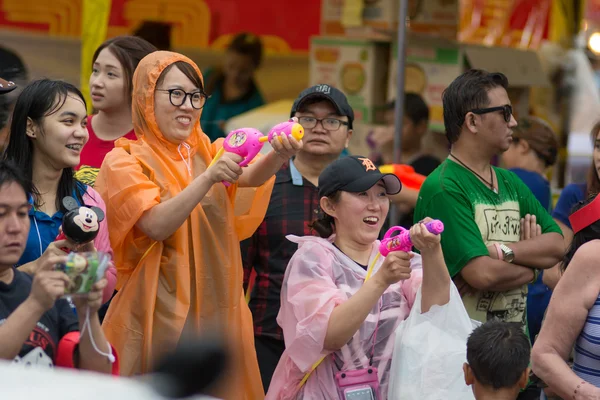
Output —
(415, 107)
(498, 353)
(466, 93)
(11, 173)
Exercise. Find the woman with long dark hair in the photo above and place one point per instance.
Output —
(113, 65)
(573, 318)
(47, 133)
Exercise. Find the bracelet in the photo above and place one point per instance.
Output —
(577, 388)
(499, 251)
(536, 275)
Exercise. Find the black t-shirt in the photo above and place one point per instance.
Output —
(40, 347)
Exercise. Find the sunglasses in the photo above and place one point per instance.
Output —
(506, 111)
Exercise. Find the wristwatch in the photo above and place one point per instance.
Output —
(508, 254)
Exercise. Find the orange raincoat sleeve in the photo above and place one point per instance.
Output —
(126, 201)
(250, 203)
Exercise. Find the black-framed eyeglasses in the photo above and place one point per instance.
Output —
(506, 111)
(178, 96)
(330, 124)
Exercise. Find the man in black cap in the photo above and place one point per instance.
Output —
(327, 119)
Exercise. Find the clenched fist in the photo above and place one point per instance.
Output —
(395, 268)
(226, 168)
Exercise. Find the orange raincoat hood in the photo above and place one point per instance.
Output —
(145, 79)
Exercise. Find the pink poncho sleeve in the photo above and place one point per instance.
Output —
(309, 295)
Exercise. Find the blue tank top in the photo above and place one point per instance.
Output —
(587, 348)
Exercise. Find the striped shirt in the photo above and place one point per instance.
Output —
(587, 348)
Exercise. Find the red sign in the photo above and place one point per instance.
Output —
(283, 25)
(517, 23)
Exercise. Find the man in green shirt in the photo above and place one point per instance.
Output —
(497, 235)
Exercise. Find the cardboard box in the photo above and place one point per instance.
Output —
(434, 17)
(432, 64)
(358, 67)
(376, 15)
(380, 17)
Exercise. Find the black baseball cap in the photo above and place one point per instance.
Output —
(6, 86)
(355, 174)
(327, 92)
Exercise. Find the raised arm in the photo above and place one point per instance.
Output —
(435, 288)
(574, 296)
(265, 167)
(162, 220)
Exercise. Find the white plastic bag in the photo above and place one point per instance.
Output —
(429, 353)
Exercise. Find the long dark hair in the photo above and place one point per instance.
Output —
(325, 226)
(38, 100)
(593, 181)
(585, 235)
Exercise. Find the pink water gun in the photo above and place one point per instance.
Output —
(247, 142)
(401, 241)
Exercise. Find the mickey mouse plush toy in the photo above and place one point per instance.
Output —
(81, 224)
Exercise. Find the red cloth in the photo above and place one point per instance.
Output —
(66, 348)
(93, 154)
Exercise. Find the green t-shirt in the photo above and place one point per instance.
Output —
(475, 217)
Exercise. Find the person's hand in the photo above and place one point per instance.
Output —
(79, 248)
(463, 287)
(395, 268)
(47, 260)
(422, 239)
(86, 247)
(529, 227)
(93, 300)
(49, 285)
(226, 168)
(286, 146)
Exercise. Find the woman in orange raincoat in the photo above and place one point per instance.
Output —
(174, 229)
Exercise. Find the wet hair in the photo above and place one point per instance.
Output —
(466, 93)
(129, 50)
(325, 226)
(593, 181)
(585, 235)
(12, 68)
(415, 107)
(11, 173)
(187, 70)
(249, 45)
(540, 136)
(498, 353)
(39, 99)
